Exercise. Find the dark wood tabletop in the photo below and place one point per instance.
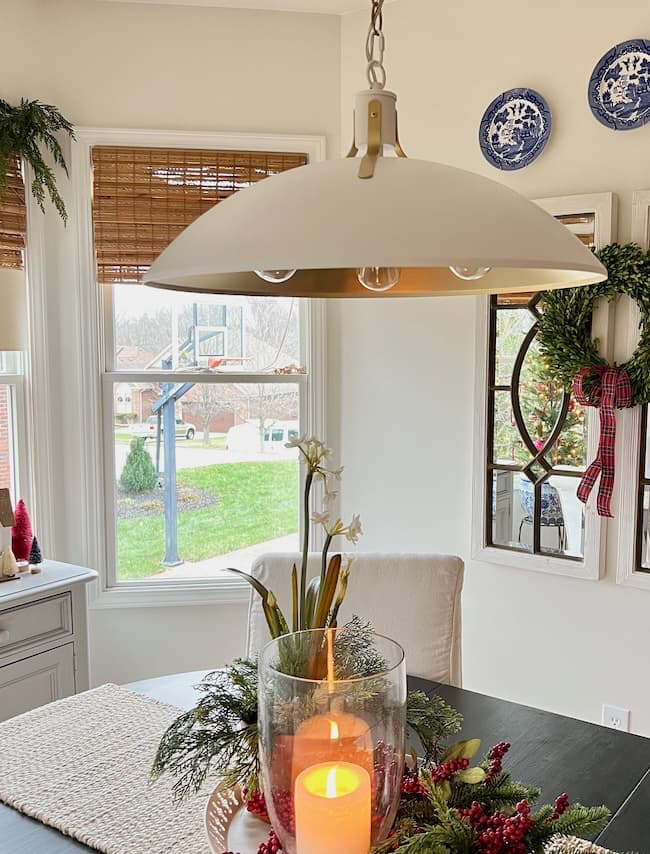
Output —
(595, 765)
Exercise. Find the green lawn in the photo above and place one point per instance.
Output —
(255, 502)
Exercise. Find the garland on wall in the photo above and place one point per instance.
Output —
(572, 356)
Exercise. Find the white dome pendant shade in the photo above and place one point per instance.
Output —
(375, 226)
(420, 217)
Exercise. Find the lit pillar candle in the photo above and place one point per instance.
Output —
(335, 737)
(332, 809)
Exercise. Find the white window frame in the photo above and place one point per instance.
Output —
(97, 382)
(628, 423)
(12, 374)
(603, 205)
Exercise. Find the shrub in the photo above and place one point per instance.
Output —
(138, 474)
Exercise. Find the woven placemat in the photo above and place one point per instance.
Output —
(82, 765)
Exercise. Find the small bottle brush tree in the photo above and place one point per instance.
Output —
(35, 556)
(138, 474)
(21, 533)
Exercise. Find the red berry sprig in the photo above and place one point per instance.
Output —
(495, 759)
(271, 846)
(447, 770)
(561, 806)
(498, 833)
(256, 805)
(411, 786)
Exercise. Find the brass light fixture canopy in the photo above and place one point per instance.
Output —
(328, 221)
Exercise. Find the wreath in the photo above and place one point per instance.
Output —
(571, 356)
(565, 325)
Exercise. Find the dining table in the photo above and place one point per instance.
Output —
(593, 764)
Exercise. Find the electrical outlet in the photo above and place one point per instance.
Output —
(616, 718)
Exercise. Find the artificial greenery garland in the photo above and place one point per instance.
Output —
(24, 131)
(565, 325)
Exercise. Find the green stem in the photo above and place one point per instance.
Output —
(305, 549)
(323, 567)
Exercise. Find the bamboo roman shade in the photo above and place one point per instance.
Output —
(13, 219)
(144, 197)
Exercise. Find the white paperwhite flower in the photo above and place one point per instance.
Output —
(354, 529)
(330, 494)
(321, 518)
(336, 473)
(295, 443)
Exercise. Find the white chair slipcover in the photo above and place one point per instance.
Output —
(413, 598)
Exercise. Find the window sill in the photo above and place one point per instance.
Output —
(158, 594)
(537, 563)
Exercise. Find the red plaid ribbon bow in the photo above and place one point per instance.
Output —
(611, 389)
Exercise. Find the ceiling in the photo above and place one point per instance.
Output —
(330, 7)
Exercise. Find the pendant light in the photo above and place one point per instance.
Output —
(375, 225)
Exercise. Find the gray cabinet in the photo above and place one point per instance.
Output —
(43, 637)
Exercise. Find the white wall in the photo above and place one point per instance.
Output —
(406, 374)
(159, 67)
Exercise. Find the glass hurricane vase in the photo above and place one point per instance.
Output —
(332, 717)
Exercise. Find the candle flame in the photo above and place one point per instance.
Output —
(330, 785)
(334, 731)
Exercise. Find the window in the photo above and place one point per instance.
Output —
(9, 465)
(13, 224)
(199, 380)
(535, 442)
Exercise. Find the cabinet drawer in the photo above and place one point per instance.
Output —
(36, 680)
(26, 625)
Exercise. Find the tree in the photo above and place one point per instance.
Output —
(150, 332)
(540, 398)
(269, 403)
(35, 556)
(138, 474)
(208, 400)
(273, 341)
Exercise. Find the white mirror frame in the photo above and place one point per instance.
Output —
(628, 423)
(604, 207)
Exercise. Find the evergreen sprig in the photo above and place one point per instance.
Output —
(218, 735)
(433, 721)
(24, 130)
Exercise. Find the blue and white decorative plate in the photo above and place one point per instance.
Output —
(515, 128)
(619, 87)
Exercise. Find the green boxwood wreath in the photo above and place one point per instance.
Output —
(564, 334)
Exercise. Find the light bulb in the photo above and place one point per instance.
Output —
(469, 274)
(275, 277)
(379, 278)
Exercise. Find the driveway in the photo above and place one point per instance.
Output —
(196, 456)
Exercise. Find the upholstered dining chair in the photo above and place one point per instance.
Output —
(414, 599)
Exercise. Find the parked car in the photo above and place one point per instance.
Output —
(246, 437)
(149, 428)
